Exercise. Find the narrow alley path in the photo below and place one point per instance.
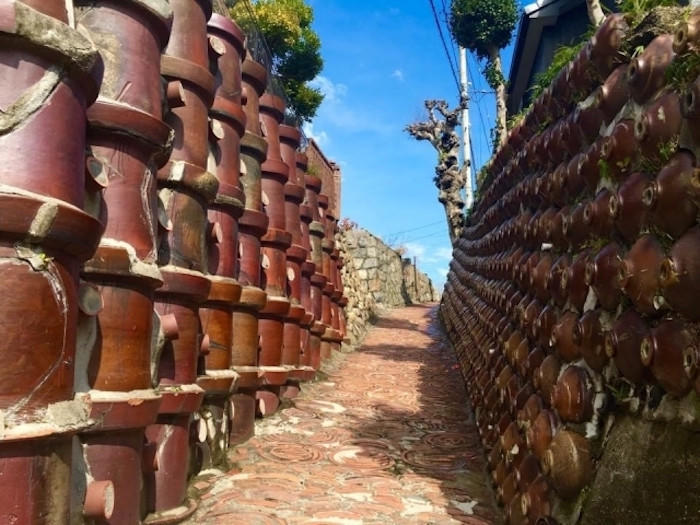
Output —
(386, 438)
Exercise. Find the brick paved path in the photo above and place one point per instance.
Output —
(386, 438)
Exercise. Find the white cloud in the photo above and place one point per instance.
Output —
(350, 116)
(332, 92)
(414, 249)
(438, 256)
(398, 75)
(444, 253)
(321, 137)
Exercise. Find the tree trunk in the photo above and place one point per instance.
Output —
(595, 12)
(501, 117)
(452, 202)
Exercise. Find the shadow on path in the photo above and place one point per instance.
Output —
(386, 438)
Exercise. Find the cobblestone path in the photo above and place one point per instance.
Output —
(385, 438)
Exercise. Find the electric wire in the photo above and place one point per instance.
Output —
(444, 44)
(434, 234)
(478, 107)
(414, 229)
(453, 47)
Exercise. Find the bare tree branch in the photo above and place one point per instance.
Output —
(441, 131)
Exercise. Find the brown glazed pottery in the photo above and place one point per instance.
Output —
(672, 197)
(541, 432)
(573, 281)
(546, 376)
(562, 337)
(572, 396)
(639, 273)
(680, 275)
(632, 212)
(645, 74)
(619, 151)
(687, 33)
(658, 125)
(599, 214)
(559, 267)
(623, 343)
(613, 94)
(671, 353)
(603, 273)
(568, 463)
(590, 338)
(605, 51)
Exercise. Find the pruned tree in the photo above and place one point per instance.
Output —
(595, 12)
(441, 131)
(485, 27)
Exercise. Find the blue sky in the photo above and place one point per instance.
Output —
(382, 60)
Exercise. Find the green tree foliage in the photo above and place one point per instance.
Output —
(294, 45)
(481, 25)
(485, 27)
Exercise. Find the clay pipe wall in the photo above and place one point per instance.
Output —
(49, 74)
(294, 193)
(226, 127)
(252, 226)
(318, 279)
(573, 283)
(185, 190)
(329, 339)
(308, 269)
(127, 139)
(275, 242)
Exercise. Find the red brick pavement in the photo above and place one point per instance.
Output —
(385, 438)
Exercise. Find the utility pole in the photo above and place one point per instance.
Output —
(415, 277)
(466, 149)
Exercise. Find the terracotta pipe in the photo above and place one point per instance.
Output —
(49, 226)
(186, 188)
(275, 242)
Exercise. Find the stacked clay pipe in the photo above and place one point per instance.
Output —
(298, 321)
(145, 232)
(574, 289)
(227, 125)
(275, 242)
(49, 226)
(317, 280)
(252, 226)
(127, 139)
(334, 334)
(310, 342)
(185, 190)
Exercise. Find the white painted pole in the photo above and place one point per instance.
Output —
(466, 150)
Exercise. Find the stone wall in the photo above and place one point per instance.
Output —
(376, 276)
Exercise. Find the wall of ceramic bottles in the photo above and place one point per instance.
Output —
(160, 244)
(573, 292)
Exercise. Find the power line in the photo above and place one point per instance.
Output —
(434, 234)
(481, 116)
(444, 44)
(415, 229)
(452, 37)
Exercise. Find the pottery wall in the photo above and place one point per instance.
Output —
(572, 299)
(168, 273)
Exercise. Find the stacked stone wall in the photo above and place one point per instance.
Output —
(376, 276)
